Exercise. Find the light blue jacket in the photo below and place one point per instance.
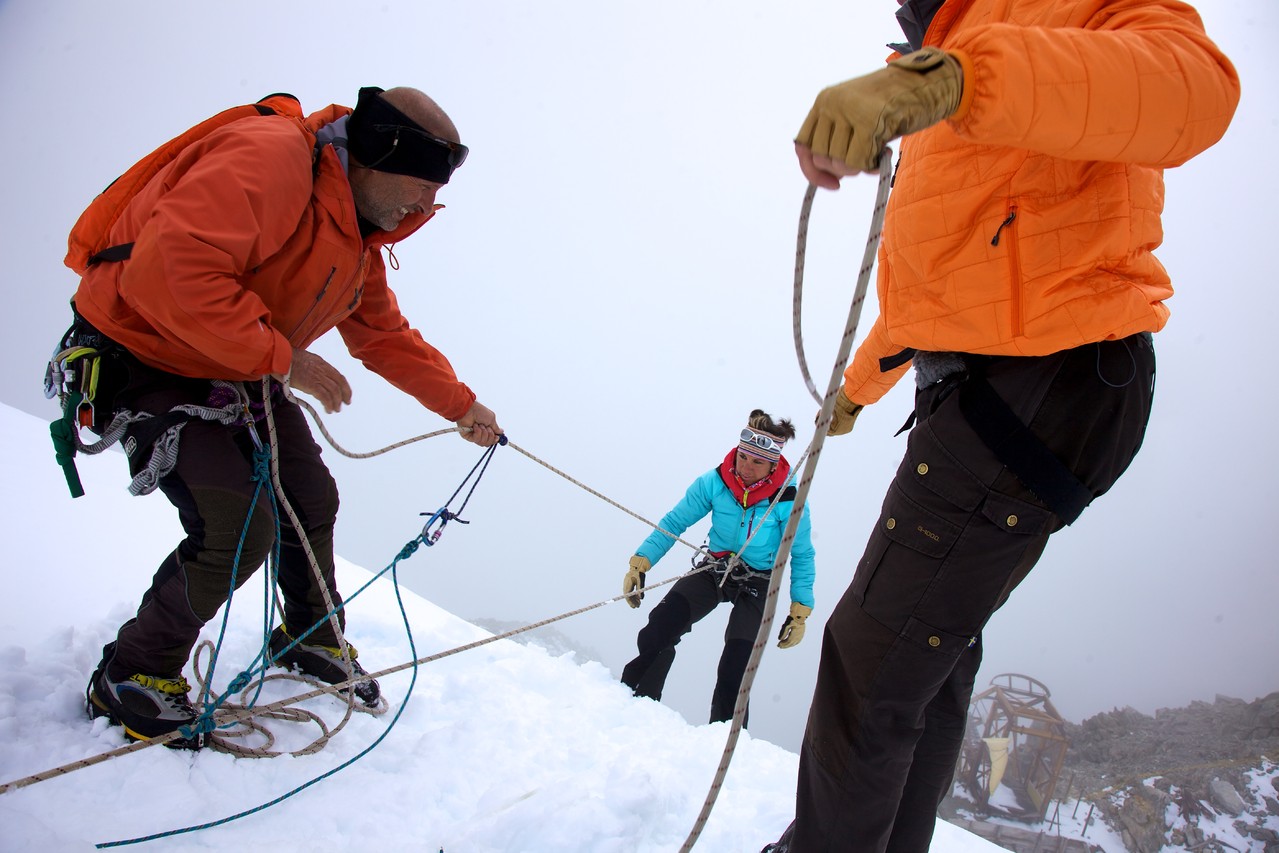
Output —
(732, 524)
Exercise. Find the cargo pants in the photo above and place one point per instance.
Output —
(957, 532)
(212, 487)
(690, 600)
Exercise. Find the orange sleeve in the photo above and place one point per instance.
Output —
(864, 382)
(1137, 81)
(380, 337)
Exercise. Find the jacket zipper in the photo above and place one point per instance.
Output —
(1014, 270)
(748, 523)
(363, 273)
(319, 297)
(355, 300)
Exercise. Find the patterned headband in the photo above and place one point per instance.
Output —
(760, 445)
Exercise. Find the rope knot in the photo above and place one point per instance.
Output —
(262, 464)
(240, 682)
(202, 725)
(408, 550)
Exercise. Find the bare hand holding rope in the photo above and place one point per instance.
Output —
(479, 425)
(312, 375)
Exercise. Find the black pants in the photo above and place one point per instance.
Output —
(956, 534)
(689, 601)
(212, 488)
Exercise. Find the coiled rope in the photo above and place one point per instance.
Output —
(814, 450)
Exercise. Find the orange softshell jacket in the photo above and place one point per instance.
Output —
(1025, 223)
(245, 247)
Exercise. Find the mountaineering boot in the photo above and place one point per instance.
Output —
(144, 705)
(324, 663)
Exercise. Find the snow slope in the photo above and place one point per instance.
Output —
(500, 748)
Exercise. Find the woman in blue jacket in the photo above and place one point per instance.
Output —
(748, 498)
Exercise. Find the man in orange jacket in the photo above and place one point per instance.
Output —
(1017, 275)
(252, 243)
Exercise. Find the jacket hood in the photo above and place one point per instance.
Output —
(325, 118)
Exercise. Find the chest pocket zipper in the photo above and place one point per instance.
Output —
(1014, 270)
(319, 297)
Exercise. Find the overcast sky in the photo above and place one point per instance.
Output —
(612, 275)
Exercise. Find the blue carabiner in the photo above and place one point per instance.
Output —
(430, 537)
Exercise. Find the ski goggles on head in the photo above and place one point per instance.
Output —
(760, 444)
(418, 153)
(383, 138)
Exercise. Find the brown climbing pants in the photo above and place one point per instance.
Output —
(212, 487)
(957, 532)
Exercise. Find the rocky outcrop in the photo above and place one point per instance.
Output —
(1157, 780)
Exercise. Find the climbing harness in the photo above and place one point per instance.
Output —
(729, 571)
(87, 371)
(814, 452)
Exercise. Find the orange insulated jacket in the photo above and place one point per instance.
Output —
(1026, 223)
(246, 246)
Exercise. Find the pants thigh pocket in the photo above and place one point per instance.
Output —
(919, 663)
(906, 550)
(930, 501)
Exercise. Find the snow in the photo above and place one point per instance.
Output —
(501, 748)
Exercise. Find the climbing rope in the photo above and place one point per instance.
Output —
(224, 714)
(219, 737)
(288, 393)
(806, 480)
(227, 714)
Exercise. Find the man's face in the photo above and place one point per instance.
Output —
(385, 199)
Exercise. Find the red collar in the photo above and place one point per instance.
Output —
(762, 491)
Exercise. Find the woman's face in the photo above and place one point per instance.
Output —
(752, 470)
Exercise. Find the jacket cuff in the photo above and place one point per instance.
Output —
(969, 87)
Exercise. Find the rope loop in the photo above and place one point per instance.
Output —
(825, 414)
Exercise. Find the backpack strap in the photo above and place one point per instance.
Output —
(786, 494)
(112, 253)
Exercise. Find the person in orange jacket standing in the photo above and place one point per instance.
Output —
(255, 240)
(1017, 275)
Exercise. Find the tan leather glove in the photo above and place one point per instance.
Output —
(853, 121)
(844, 416)
(793, 628)
(633, 583)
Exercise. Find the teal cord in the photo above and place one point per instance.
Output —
(261, 475)
(245, 677)
(408, 695)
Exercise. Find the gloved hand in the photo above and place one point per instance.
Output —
(844, 416)
(852, 121)
(633, 583)
(793, 628)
